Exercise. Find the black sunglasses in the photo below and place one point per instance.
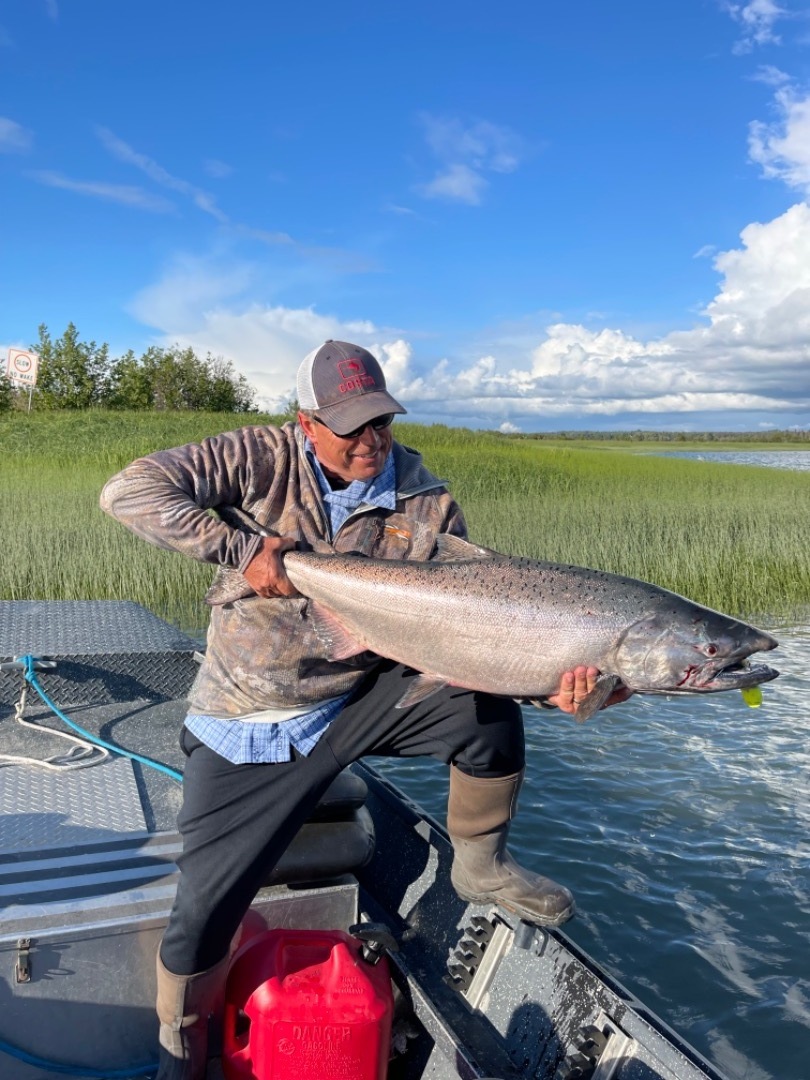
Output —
(379, 423)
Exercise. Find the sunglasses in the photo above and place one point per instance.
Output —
(379, 423)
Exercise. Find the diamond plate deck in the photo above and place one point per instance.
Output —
(40, 809)
(106, 650)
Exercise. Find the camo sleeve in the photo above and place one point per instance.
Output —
(164, 498)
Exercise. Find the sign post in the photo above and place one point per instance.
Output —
(22, 368)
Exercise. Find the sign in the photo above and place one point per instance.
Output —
(22, 367)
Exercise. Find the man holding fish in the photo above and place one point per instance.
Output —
(286, 697)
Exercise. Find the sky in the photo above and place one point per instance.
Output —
(539, 216)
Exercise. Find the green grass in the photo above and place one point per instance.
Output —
(732, 537)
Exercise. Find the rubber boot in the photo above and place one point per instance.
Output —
(478, 815)
(184, 1004)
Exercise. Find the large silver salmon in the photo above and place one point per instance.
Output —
(484, 621)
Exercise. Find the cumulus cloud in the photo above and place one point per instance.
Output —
(466, 152)
(458, 183)
(751, 354)
(757, 19)
(748, 358)
(770, 75)
(119, 193)
(206, 304)
(782, 148)
(14, 138)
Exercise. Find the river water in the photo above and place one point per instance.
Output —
(798, 460)
(681, 825)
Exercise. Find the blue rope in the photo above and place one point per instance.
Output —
(76, 1070)
(28, 673)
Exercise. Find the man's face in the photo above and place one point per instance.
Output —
(360, 458)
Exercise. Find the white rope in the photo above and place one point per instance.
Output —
(80, 756)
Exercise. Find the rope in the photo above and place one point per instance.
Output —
(29, 675)
(80, 756)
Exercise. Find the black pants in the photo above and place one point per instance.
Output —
(237, 820)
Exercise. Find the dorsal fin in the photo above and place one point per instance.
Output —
(451, 548)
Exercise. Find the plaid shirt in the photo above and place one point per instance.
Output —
(381, 491)
(242, 742)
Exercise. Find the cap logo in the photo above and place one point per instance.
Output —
(353, 376)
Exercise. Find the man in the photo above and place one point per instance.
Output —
(273, 719)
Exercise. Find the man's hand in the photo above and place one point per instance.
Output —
(265, 572)
(577, 684)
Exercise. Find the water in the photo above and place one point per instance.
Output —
(797, 460)
(681, 825)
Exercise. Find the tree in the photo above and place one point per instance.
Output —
(77, 375)
(129, 386)
(7, 394)
(72, 374)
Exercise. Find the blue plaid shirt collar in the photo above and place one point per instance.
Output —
(381, 491)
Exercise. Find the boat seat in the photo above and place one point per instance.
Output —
(338, 838)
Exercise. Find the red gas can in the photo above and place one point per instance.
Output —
(303, 1004)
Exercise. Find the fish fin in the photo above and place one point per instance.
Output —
(228, 585)
(593, 702)
(421, 688)
(451, 548)
(331, 633)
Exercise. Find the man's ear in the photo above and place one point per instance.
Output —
(307, 424)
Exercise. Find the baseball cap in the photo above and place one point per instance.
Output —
(344, 385)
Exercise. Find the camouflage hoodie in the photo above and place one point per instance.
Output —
(261, 653)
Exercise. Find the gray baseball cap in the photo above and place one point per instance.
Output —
(344, 386)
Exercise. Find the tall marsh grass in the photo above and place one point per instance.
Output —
(732, 537)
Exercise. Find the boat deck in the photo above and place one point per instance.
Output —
(87, 878)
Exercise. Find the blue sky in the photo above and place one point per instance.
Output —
(540, 216)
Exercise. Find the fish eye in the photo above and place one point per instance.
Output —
(710, 650)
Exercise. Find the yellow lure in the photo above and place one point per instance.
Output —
(752, 696)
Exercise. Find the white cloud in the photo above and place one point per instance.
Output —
(783, 147)
(124, 152)
(770, 75)
(746, 362)
(206, 202)
(757, 18)
(14, 138)
(205, 305)
(218, 169)
(52, 9)
(118, 193)
(467, 152)
(752, 355)
(458, 183)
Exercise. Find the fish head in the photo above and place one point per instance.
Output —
(692, 650)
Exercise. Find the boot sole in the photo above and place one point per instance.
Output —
(524, 913)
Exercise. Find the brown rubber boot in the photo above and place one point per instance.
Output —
(184, 1003)
(478, 815)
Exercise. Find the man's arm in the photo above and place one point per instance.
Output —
(164, 498)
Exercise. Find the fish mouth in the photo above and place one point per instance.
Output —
(734, 676)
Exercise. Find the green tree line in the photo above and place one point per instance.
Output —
(76, 374)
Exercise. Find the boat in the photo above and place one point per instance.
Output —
(87, 876)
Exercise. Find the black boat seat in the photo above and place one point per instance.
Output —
(338, 838)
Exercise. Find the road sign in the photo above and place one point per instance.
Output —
(22, 367)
